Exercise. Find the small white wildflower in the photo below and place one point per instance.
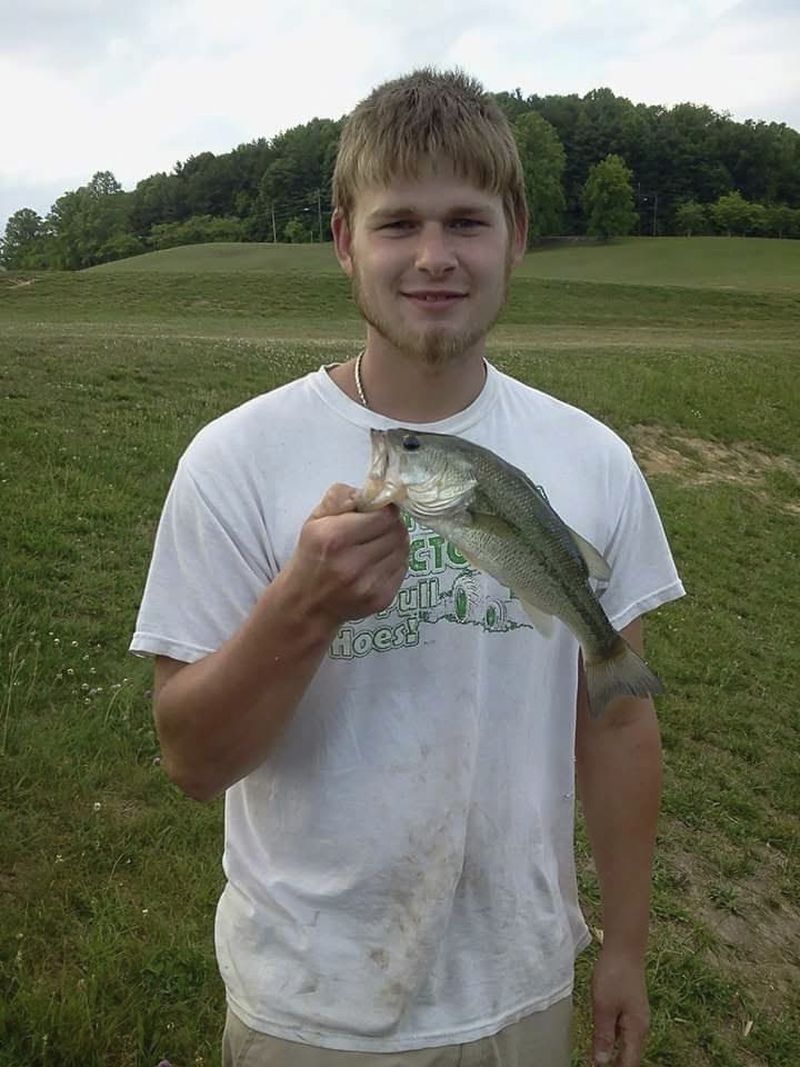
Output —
(145, 911)
(59, 858)
(74, 644)
(70, 670)
(97, 805)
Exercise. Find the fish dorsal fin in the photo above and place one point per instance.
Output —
(598, 567)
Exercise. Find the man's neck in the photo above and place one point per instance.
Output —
(407, 389)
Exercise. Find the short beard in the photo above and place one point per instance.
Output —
(431, 348)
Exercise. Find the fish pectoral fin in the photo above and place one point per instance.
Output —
(544, 623)
(597, 565)
(490, 523)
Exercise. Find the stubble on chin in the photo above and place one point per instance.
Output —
(433, 348)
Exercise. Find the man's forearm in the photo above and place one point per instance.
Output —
(619, 781)
(218, 718)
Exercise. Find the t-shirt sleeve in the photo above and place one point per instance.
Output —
(643, 573)
(210, 564)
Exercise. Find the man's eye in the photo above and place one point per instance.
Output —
(466, 224)
(398, 225)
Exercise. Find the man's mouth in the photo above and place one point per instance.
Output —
(435, 298)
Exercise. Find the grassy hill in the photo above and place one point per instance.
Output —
(705, 262)
(226, 256)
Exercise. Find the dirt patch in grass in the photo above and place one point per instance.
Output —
(756, 932)
(17, 283)
(696, 461)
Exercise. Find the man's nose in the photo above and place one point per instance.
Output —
(435, 253)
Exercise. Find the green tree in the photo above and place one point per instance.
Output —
(608, 199)
(103, 183)
(295, 232)
(22, 245)
(780, 220)
(199, 229)
(159, 198)
(543, 162)
(732, 214)
(758, 223)
(682, 161)
(121, 246)
(690, 217)
(87, 220)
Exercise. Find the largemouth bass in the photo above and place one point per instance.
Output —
(502, 524)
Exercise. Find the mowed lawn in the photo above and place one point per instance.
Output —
(720, 262)
(109, 877)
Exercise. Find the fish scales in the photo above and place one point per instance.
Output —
(559, 570)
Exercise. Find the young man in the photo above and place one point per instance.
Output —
(397, 744)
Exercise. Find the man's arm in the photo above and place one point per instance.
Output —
(619, 781)
(218, 718)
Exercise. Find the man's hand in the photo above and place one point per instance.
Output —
(621, 1010)
(348, 564)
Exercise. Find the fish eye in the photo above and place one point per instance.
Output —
(411, 443)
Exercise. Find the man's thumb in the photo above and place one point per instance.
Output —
(337, 500)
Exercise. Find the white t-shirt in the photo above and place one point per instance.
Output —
(400, 868)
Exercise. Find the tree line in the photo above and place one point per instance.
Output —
(597, 165)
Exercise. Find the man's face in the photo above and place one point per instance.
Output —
(429, 261)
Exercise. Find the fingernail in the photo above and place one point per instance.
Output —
(602, 1057)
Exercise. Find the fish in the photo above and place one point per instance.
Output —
(502, 523)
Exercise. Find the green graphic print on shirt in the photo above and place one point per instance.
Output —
(440, 586)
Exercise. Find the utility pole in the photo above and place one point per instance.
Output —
(645, 197)
(319, 213)
(274, 231)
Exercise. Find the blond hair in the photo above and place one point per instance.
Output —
(420, 121)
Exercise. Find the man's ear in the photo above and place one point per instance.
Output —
(342, 241)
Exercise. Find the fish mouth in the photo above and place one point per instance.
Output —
(380, 489)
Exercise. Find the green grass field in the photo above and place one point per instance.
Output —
(109, 877)
(706, 262)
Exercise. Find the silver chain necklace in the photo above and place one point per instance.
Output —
(362, 396)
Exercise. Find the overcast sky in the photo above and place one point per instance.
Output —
(133, 86)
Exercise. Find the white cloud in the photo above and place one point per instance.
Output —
(746, 66)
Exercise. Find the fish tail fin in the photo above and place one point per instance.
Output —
(621, 673)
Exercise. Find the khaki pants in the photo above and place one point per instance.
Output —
(542, 1039)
